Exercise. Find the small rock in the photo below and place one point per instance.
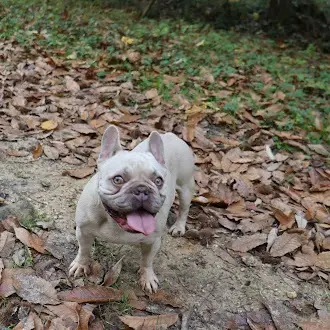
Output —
(291, 294)
(45, 184)
(250, 261)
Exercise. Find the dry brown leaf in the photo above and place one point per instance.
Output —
(49, 125)
(33, 321)
(96, 294)
(80, 173)
(286, 243)
(6, 284)
(82, 128)
(97, 123)
(85, 313)
(248, 242)
(149, 322)
(112, 275)
(134, 302)
(66, 310)
(316, 324)
(71, 160)
(71, 85)
(51, 152)
(35, 289)
(323, 261)
(17, 153)
(7, 243)
(224, 198)
(224, 222)
(37, 151)
(255, 224)
(30, 239)
(165, 298)
(19, 101)
(151, 93)
(320, 149)
(96, 272)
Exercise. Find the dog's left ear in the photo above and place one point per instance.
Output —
(110, 144)
(156, 147)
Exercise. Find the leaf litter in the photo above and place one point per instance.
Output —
(67, 110)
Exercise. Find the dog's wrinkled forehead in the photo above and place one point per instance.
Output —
(135, 164)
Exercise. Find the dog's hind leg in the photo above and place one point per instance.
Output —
(185, 193)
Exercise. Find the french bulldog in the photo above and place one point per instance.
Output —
(128, 200)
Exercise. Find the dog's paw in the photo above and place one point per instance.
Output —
(76, 269)
(148, 280)
(178, 229)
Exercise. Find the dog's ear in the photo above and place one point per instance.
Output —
(156, 147)
(110, 144)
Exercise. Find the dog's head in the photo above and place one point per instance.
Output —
(132, 184)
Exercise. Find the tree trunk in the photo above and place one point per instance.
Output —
(281, 11)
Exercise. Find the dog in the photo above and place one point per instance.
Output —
(128, 200)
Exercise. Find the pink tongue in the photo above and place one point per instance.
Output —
(142, 222)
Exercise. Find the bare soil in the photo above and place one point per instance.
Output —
(217, 289)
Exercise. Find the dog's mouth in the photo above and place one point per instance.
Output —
(138, 221)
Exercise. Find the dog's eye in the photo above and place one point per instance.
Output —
(159, 181)
(118, 180)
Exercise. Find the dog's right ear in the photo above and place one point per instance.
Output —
(110, 144)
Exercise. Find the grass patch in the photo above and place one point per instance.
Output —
(101, 35)
(30, 222)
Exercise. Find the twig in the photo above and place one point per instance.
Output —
(147, 9)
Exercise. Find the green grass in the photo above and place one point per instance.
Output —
(30, 222)
(92, 31)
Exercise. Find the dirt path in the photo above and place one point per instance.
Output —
(218, 291)
(53, 114)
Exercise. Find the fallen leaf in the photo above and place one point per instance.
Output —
(149, 322)
(151, 93)
(165, 298)
(127, 40)
(48, 125)
(112, 275)
(323, 261)
(17, 153)
(6, 284)
(7, 243)
(37, 151)
(322, 323)
(94, 294)
(71, 85)
(248, 242)
(224, 222)
(35, 289)
(271, 238)
(83, 128)
(224, 198)
(301, 220)
(66, 310)
(51, 152)
(320, 149)
(80, 173)
(30, 239)
(85, 313)
(19, 101)
(286, 243)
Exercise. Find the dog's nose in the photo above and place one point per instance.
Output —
(141, 192)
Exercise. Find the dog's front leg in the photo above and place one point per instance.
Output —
(81, 264)
(148, 279)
